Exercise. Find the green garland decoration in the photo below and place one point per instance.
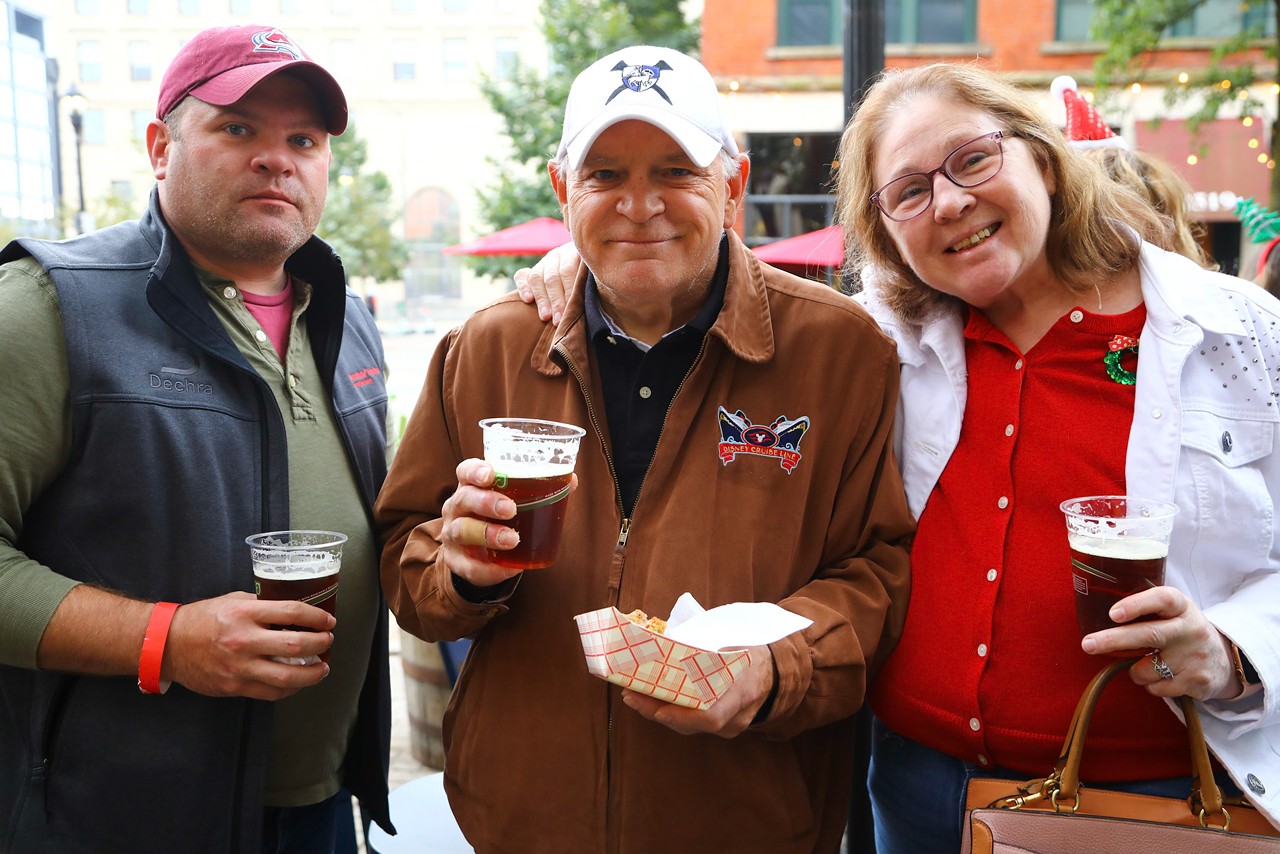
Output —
(1260, 223)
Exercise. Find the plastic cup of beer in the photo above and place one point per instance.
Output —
(1119, 544)
(298, 565)
(533, 464)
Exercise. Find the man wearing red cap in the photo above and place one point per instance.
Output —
(178, 383)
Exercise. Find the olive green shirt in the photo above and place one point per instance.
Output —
(311, 728)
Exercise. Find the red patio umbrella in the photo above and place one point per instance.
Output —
(535, 237)
(821, 248)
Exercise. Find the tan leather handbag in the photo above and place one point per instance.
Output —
(1057, 815)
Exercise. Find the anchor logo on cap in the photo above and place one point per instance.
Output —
(639, 78)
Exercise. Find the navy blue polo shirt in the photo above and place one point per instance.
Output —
(640, 381)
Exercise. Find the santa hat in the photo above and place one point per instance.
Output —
(1085, 128)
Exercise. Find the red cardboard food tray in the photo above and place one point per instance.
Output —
(634, 657)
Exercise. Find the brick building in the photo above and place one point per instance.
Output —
(780, 64)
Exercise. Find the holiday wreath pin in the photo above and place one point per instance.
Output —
(1117, 348)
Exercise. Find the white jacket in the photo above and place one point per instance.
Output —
(1205, 435)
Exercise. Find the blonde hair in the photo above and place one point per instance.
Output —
(1089, 243)
(1155, 180)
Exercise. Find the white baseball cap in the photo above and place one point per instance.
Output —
(657, 85)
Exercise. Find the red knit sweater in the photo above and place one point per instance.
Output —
(989, 668)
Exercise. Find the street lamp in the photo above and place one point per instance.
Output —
(76, 104)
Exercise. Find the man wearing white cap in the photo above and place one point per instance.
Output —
(171, 386)
(718, 460)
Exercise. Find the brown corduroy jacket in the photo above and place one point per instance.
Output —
(543, 758)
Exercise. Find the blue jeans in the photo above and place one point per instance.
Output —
(304, 830)
(918, 794)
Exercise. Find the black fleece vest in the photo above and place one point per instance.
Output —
(178, 454)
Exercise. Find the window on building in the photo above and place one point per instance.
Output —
(1211, 19)
(1226, 18)
(1074, 17)
(138, 7)
(505, 58)
(10, 206)
(141, 119)
(454, 57)
(95, 127)
(292, 7)
(89, 58)
(455, 5)
(930, 21)
(404, 55)
(240, 7)
(37, 201)
(820, 22)
(86, 7)
(403, 7)
(342, 62)
(30, 29)
(30, 71)
(809, 22)
(189, 8)
(789, 173)
(139, 60)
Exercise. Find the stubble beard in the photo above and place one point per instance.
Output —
(247, 240)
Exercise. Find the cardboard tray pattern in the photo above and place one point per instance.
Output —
(634, 657)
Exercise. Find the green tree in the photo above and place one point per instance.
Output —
(1134, 29)
(531, 104)
(358, 217)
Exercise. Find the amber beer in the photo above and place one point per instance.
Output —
(533, 463)
(302, 566)
(541, 497)
(1104, 571)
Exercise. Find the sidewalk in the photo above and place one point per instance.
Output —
(403, 766)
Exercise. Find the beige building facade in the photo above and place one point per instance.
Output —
(410, 70)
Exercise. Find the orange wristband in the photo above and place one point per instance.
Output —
(153, 649)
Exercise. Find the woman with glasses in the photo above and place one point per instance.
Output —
(1050, 350)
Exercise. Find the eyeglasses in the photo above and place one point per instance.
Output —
(977, 161)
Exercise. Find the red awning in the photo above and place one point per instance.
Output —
(821, 248)
(535, 237)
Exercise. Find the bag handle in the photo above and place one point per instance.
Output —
(1205, 799)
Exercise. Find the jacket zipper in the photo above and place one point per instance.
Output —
(625, 530)
(618, 548)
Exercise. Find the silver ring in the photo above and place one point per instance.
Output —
(1163, 670)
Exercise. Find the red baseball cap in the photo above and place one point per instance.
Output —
(220, 65)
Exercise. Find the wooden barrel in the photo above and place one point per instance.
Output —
(426, 693)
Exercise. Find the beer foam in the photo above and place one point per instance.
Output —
(1127, 548)
(281, 568)
(531, 469)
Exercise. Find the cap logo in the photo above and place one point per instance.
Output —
(274, 41)
(640, 78)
